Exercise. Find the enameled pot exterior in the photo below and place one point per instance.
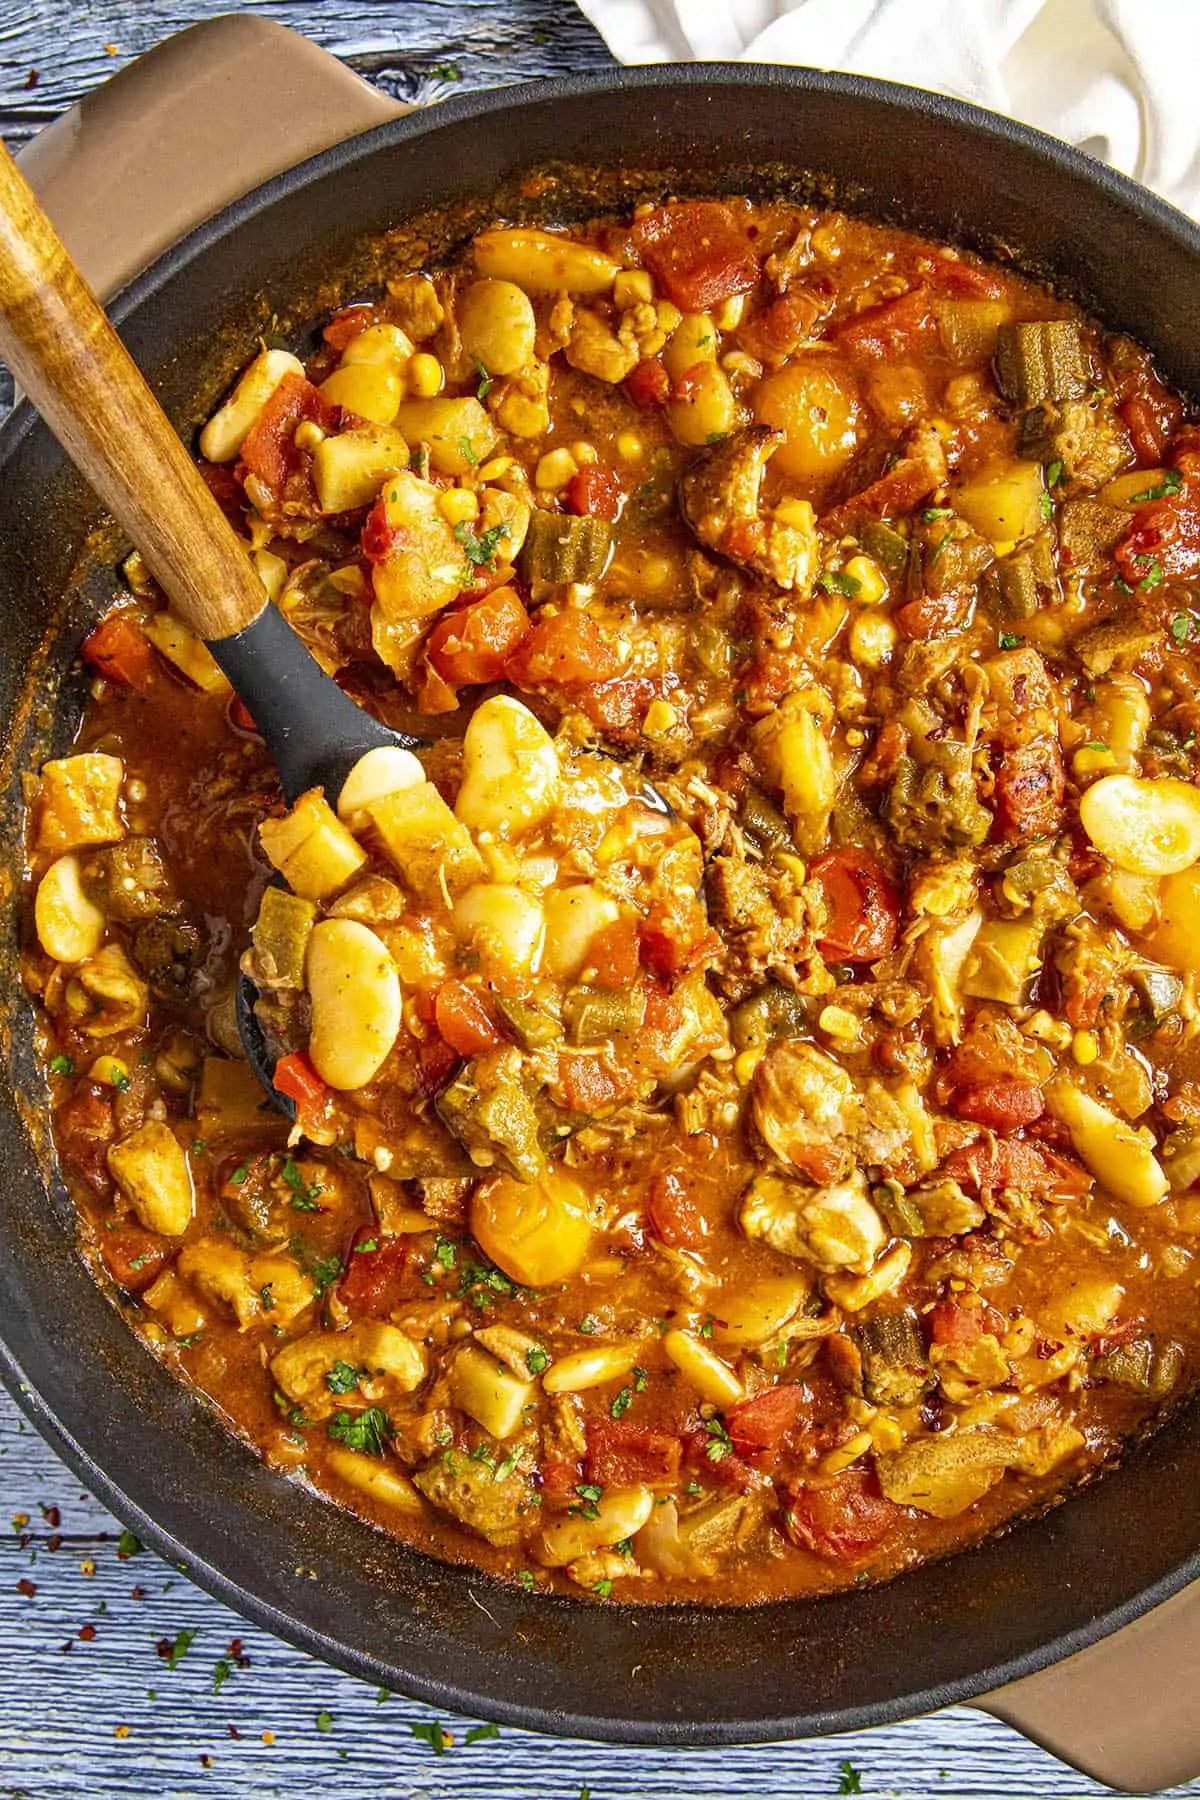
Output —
(139, 1439)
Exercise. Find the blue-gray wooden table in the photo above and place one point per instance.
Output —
(117, 1676)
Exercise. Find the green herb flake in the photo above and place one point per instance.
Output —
(509, 1465)
(590, 1495)
(480, 548)
(189, 1343)
(365, 1246)
(367, 1432)
(431, 1734)
(603, 1588)
(939, 547)
(267, 1297)
(128, 1544)
(1046, 507)
(222, 1670)
(1170, 485)
(1154, 573)
(590, 1325)
(720, 1444)
(239, 1175)
(526, 1579)
(1181, 627)
(1009, 640)
(446, 72)
(1054, 473)
(1122, 586)
(537, 1360)
(325, 1271)
(641, 1380)
(304, 1198)
(120, 1082)
(324, 1720)
(849, 1779)
(621, 1403)
(62, 1065)
(341, 1378)
(199, 1146)
(463, 446)
(485, 381)
(480, 1734)
(836, 581)
(1095, 744)
(179, 1649)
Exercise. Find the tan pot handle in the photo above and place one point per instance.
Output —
(177, 135)
(192, 125)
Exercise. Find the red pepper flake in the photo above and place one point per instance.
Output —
(234, 1732)
(87, 1634)
(69, 1645)
(27, 1587)
(32, 79)
(52, 1516)
(137, 1593)
(54, 1543)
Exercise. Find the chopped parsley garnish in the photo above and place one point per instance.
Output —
(304, 1198)
(537, 1360)
(603, 1588)
(720, 1444)
(1170, 484)
(836, 581)
(294, 1415)
(179, 1649)
(222, 1670)
(482, 1283)
(365, 1246)
(1154, 572)
(526, 1579)
(590, 1325)
(366, 1432)
(479, 1734)
(485, 1454)
(480, 547)
(120, 1081)
(1054, 472)
(199, 1146)
(267, 1297)
(1122, 586)
(189, 1343)
(706, 1329)
(504, 1469)
(936, 512)
(445, 1253)
(1095, 744)
(590, 1495)
(62, 1065)
(324, 1720)
(128, 1544)
(939, 547)
(431, 1734)
(463, 445)
(1181, 627)
(485, 380)
(239, 1175)
(325, 1271)
(1046, 507)
(621, 1403)
(1009, 640)
(849, 1780)
(640, 1381)
(139, 1262)
(342, 1378)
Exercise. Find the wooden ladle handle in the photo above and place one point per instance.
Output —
(66, 356)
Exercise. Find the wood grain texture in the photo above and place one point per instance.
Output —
(104, 1715)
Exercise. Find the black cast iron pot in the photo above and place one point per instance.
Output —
(137, 1437)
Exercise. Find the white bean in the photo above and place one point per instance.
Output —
(511, 775)
(573, 917)
(385, 770)
(1147, 827)
(497, 326)
(69, 927)
(590, 1368)
(505, 925)
(711, 1377)
(226, 431)
(355, 992)
(617, 1515)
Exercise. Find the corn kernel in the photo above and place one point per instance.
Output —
(872, 582)
(669, 317)
(554, 470)
(629, 447)
(729, 315)
(308, 435)
(837, 1022)
(855, 738)
(873, 637)
(661, 717)
(110, 1071)
(886, 1434)
(493, 470)
(1005, 547)
(837, 1460)
(1085, 1047)
(745, 1063)
(633, 287)
(1047, 1029)
(584, 453)
(796, 513)
(1093, 759)
(425, 375)
(457, 505)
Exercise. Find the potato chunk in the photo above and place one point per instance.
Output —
(425, 841)
(80, 802)
(488, 1392)
(311, 848)
(384, 1362)
(151, 1168)
(1145, 827)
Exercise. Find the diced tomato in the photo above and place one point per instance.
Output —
(648, 384)
(949, 275)
(120, 651)
(778, 330)
(764, 1422)
(85, 1128)
(435, 1060)
(239, 715)
(1150, 426)
(465, 1020)
(894, 328)
(933, 615)
(662, 1018)
(348, 324)
(379, 536)
(698, 252)
(958, 1326)
(373, 1282)
(133, 1257)
(1013, 1163)
(845, 1521)
(1165, 539)
(564, 648)
(626, 1455)
(613, 955)
(558, 1482)
(588, 1085)
(822, 1163)
(596, 492)
(1029, 787)
(617, 708)
(674, 1216)
(268, 450)
(473, 643)
(676, 937)
(863, 906)
(1000, 1105)
(297, 1080)
(225, 488)
(905, 484)
(717, 1462)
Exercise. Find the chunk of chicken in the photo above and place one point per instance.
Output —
(803, 1103)
(720, 497)
(833, 1227)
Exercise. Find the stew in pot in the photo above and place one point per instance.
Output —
(728, 1188)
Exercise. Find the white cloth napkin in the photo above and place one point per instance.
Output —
(1118, 78)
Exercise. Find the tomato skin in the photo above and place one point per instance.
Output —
(120, 651)
(297, 1080)
(1013, 1162)
(698, 252)
(950, 276)
(133, 1256)
(268, 450)
(1000, 1105)
(348, 324)
(596, 492)
(588, 1085)
(566, 648)
(473, 643)
(623, 1454)
(372, 1283)
(844, 1522)
(379, 537)
(240, 716)
(864, 907)
(676, 938)
(465, 1021)
(1166, 533)
(764, 1422)
(958, 1327)
(893, 328)
(675, 1219)
(648, 384)
(613, 955)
